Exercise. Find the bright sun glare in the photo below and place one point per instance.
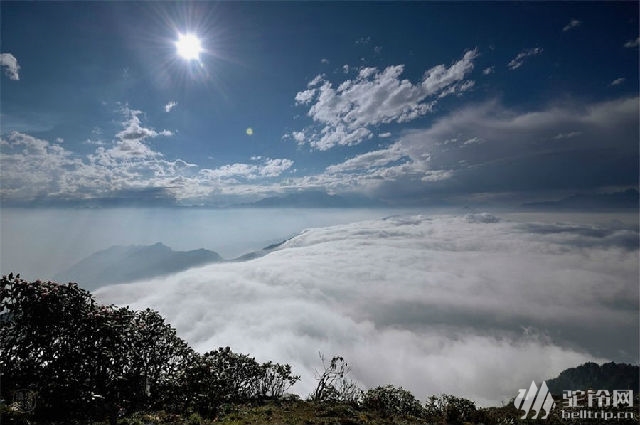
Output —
(188, 46)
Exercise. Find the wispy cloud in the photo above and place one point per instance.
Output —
(345, 114)
(169, 106)
(574, 23)
(568, 135)
(10, 65)
(632, 43)
(268, 168)
(421, 289)
(517, 62)
(617, 81)
(489, 70)
(363, 41)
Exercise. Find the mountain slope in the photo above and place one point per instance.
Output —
(315, 199)
(119, 264)
(627, 199)
(609, 376)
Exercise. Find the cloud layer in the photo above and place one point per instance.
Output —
(483, 148)
(487, 148)
(126, 169)
(472, 305)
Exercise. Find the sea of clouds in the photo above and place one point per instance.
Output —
(471, 305)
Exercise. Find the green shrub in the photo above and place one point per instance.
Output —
(392, 401)
(194, 419)
(449, 408)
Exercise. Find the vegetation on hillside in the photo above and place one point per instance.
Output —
(67, 359)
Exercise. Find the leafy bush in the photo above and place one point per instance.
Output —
(392, 401)
(449, 408)
(86, 360)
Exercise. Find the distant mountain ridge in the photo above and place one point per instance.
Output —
(625, 199)
(315, 199)
(609, 376)
(119, 264)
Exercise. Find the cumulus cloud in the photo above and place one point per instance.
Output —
(344, 115)
(35, 170)
(574, 23)
(489, 70)
(410, 300)
(133, 130)
(489, 148)
(632, 43)
(617, 81)
(517, 62)
(10, 65)
(169, 106)
(38, 171)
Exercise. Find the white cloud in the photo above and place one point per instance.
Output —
(324, 61)
(316, 80)
(574, 23)
(384, 135)
(35, 170)
(133, 130)
(10, 65)
(346, 113)
(617, 81)
(304, 97)
(369, 160)
(420, 295)
(269, 168)
(169, 106)
(517, 62)
(632, 43)
(298, 136)
(489, 70)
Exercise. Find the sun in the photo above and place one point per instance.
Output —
(188, 47)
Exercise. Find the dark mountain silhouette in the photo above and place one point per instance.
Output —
(593, 201)
(608, 376)
(260, 253)
(119, 264)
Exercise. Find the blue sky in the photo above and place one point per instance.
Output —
(407, 103)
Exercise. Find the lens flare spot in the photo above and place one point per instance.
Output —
(249, 131)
